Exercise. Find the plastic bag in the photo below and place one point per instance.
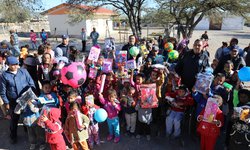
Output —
(203, 82)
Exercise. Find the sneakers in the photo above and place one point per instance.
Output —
(32, 146)
(138, 136)
(110, 137)
(148, 137)
(117, 139)
(42, 147)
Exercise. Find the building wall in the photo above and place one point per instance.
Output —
(233, 23)
(60, 22)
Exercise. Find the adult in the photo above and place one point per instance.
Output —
(246, 50)
(160, 43)
(13, 82)
(64, 45)
(14, 43)
(193, 62)
(204, 36)
(84, 39)
(131, 43)
(33, 39)
(234, 56)
(94, 36)
(44, 36)
(233, 43)
(219, 51)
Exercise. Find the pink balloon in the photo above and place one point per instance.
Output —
(74, 74)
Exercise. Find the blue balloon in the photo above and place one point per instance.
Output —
(100, 115)
(244, 74)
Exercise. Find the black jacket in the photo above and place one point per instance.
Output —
(189, 65)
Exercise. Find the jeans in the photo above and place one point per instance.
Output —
(114, 127)
(15, 50)
(131, 122)
(33, 45)
(36, 135)
(174, 120)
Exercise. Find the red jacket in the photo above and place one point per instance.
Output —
(183, 102)
(211, 129)
(53, 127)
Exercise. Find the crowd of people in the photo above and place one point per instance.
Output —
(63, 116)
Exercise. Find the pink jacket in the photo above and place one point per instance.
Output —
(33, 37)
(111, 109)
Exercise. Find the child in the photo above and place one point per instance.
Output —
(239, 137)
(144, 120)
(73, 53)
(130, 112)
(53, 129)
(89, 109)
(178, 101)
(76, 127)
(112, 107)
(228, 72)
(35, 133)
(72, 97)
(210, 131)
(44, 69)
(48, 98)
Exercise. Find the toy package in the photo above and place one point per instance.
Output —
(89, 100)
(210, 110)
(109, 44)
(203, 82)
(94, 54)
(148, 96)
(131, 64)
(22, 100)
(92, 73)
(107, 65)
(243, 113)
(121, 58)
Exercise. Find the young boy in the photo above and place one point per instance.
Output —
(179, 101)
(48, 98)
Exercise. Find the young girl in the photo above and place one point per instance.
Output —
(53, 129)
(129, 103)
(89, 109)
(209, 132)
(76, 127)
(112, 106)
(45, 68)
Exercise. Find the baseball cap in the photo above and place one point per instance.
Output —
(11, 60)
(65, 36)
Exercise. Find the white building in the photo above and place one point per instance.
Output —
(227, 22)
(58, 18)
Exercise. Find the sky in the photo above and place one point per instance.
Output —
(52, 3)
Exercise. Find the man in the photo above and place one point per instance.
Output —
(193, 62)
(204, 36)
(64, 45)
(94, 36)
(131, 43)
(220, 51)
(13, 83)
(84, 39)
(234, 56)
(15, 43)
(44, 36)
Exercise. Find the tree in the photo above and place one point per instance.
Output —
(188, 13)
(131, 8)
(18, 10)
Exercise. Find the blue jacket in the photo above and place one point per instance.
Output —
(12, 85)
